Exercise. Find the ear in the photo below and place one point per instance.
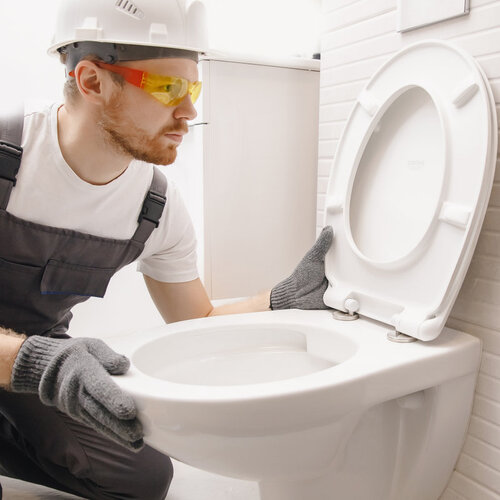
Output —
(93, 83)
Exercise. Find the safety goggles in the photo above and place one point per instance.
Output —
(169, 90)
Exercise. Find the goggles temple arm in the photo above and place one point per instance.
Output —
(133, 76)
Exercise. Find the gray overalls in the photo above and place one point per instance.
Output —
(44, 272)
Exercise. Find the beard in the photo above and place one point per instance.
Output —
(121, 132)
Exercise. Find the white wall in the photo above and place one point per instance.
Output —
(27, 72)
(359, 36)
(266, 27)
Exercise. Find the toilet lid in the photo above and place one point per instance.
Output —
(409, 188)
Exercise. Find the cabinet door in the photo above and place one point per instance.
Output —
(260, 165)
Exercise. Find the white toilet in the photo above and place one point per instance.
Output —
(315, 407)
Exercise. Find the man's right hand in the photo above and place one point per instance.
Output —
(73, 375)
(305, 287)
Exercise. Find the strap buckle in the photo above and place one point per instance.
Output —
(10, 161)
(152, 208)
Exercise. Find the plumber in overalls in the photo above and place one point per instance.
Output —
(80, 197)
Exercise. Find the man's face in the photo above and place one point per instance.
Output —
(136, 124)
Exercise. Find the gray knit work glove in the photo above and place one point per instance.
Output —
(73, 375)
(305, 287)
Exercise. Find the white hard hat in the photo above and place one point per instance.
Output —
(143, 24)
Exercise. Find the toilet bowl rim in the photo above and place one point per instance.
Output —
(374, 354)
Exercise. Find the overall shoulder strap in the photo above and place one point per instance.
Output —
(152, 208)
(11, 134)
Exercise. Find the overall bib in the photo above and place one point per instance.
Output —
(44, 272)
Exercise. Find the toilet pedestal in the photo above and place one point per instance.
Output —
(383, 457)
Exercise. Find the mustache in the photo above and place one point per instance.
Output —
(171, 129)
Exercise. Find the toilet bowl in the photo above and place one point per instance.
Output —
(370, 399)
(308, 406)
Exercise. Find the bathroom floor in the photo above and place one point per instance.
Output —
(188, 484)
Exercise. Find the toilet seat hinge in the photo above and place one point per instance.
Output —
(401, 338)
(352, 305)
(345, 316)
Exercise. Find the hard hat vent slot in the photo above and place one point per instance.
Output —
(129, 8)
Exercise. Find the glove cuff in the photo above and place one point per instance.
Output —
(33, 357)
(283, 294)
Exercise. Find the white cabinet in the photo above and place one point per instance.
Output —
(248, 171)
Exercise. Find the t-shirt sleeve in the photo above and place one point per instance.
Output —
(170, 252)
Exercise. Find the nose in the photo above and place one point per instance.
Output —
(186, 109)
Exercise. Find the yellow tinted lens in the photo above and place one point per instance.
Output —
(166, 89)
(170, 90)
(195, 89)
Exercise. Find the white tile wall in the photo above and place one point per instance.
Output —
(359, 36)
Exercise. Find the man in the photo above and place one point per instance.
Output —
(84, 201)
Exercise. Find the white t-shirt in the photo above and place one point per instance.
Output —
(48, 192)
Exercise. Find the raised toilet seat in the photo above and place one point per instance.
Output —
(409, 188)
